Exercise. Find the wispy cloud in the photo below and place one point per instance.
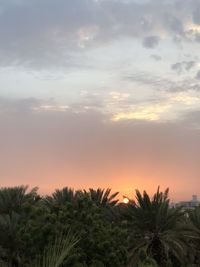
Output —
(179, 67)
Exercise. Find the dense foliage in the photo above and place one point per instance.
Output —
(92, 229)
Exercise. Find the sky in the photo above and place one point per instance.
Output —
(100, 93)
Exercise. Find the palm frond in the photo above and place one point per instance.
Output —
(55, 254)
(102, 197)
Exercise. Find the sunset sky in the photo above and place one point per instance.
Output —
(100, 93)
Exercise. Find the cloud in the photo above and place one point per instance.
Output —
(156, 57)
(175, 24)
(198, 75)
(151, 41)
(165, 108)
(42, 34)
(146, 78)
(119, 96)
(180, 67)
(165, 83)
(196, 15)
(25, 105)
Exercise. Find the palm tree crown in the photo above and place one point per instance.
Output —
(102, 197)
(158, 229)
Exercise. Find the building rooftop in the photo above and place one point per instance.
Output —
(188, 204)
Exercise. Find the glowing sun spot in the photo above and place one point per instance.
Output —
(125, 200)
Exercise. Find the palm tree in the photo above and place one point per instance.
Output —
(53, 255)
(13, 202)
(9, 239)
(194, 221)
(102, 197)
(13, 198)
(156, 229)
(194, 216)
(61, 197)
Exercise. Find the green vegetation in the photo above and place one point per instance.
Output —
(92, 229)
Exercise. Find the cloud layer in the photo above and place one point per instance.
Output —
(43, 33)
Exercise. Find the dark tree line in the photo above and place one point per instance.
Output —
(92, 229)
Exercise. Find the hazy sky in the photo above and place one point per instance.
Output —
(100, 93)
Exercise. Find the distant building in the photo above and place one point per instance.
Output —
(188, 204)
